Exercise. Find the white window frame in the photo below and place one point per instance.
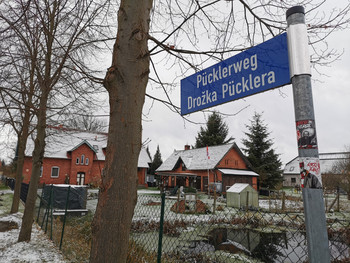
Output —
(80, 177)
(41, 171)
(58, 171)
(77, 161)
(82, 159)
(86, 161)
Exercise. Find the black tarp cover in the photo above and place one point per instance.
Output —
(58, 194)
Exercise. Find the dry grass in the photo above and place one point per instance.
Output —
(77, 241)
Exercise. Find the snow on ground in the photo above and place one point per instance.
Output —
(39, 249)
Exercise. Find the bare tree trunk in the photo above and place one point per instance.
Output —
(19, 169)
(126, 82)
(22, 141)
(38, 154)
(23, 136)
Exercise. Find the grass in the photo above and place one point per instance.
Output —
(77, 241)
(6, 202)
(3, 187)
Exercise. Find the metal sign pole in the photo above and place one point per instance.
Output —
(300, 73)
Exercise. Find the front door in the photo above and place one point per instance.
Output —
(80, 178)
(198, 183)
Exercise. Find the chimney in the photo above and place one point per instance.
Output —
(187, 147)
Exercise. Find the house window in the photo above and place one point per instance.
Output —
(41, 171)
(183, 167)
(78, 159)
(293, 180)
(291, 168)
(82, 159)
(86, 161)
(55, 172)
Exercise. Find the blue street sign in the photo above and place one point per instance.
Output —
(255, 70)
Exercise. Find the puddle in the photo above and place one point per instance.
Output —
(267, 247)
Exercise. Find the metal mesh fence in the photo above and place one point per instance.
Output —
(62, 214)
(198, 228)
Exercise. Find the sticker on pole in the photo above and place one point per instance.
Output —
(310, 172)
(260, 68)
(306, 134)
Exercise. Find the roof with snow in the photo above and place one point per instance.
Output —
(238, 172)
(327, 162)
(59, 141)
(237, 188)
(197, 159)
(144, 159)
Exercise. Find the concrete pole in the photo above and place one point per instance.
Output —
(314, 210)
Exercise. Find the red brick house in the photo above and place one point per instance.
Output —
(222, 165)
(76, 157)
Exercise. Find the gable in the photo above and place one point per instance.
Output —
(197, 159)
(144, 159)
(61, 142)
(84, 142)
(233, 159)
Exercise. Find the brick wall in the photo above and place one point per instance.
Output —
(67, 168)
(70, 167)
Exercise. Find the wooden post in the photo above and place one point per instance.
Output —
(214, 204)
(247, 201)
(283, 201)
(178, 201)
(338, 199)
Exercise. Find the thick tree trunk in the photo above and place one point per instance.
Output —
(23, 137)
(126, 82)
(19, 170)
(38, 154)
(22, 141)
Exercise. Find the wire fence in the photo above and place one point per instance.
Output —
(198, 228)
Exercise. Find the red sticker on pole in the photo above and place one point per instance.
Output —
(306, 134)
(310, 172)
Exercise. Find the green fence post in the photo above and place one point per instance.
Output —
(65, 216)
(159, 258)
(48, 208)
(51, 214)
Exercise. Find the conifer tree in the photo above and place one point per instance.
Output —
(156, 162)
(259, 151)
(214, 133)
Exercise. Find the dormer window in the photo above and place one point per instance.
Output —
(82, 159)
